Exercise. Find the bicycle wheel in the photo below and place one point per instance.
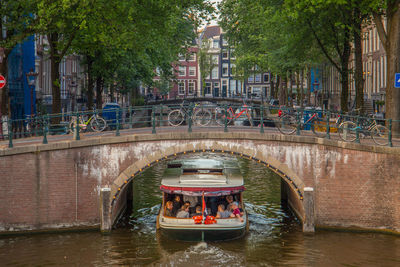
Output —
(175, 117)
(287, 124)
(202, 117)
(380, 135)
(347, 131)
(318, 128)
(98, 124)
(220, 116)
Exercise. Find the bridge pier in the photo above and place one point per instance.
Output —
(309, 218)
(105, 215)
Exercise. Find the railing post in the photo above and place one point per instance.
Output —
(10, 133)
(357, 131)
(117, 117)
(226, 119)
(390, 134)
(130, 117)
(298, 123)
(45, 129)
(190, 117)
(77, 127)
(153, 119)
(262, 118)
(328, 126)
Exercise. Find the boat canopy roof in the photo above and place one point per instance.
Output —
(198, 176)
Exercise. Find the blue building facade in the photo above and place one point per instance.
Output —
(22, 97)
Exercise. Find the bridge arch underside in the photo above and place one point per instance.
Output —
(292, 185)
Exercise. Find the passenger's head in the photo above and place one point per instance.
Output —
(177, 198)
(169, 205)
(185, 207)
(229, 199)
(234, 205)
(221, 207)
(187, 203)
(198, 209)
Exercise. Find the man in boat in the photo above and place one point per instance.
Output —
(177, 204)
(198, 211)
(236, 211)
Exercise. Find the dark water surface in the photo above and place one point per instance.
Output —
(275, 237)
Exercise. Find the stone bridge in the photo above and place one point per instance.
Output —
(84, 184)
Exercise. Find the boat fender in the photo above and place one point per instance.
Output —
(210, 220)
(198, 219)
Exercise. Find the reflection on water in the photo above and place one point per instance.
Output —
(274, 239)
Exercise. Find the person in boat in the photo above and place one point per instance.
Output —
(177, 204)
(222, 213)
(183, 212)
(198, 211)
(169, 209)
(193, 202)
(229, 202)
(236, 211)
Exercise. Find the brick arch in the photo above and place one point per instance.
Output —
(294, 182)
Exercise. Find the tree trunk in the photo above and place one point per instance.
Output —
(272, 88)
(301, 88)
(99, 93)
(358, 74)
(277, 86)
(393, 66)
(90, 88)
(291, 88)
(4, 105)
(344, 98)
(308, 86)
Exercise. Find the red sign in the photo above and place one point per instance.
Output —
(2, 81)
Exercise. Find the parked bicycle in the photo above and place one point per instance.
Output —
(95, 123)
(367, 127)
(200, 115)
(231, 115)
(288, 121)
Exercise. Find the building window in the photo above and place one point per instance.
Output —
(251, 79)
(224, 54)
(182, 71)
(216, 89)
(215, 43)
(181, 57)
(232, 53)
(192, 57)
(266, 77)
(214, 59)
(181, 88)
(232, 87)
(224, 41)
(207, 89)
(192, 71)
(214, 73)
(225, 69)
(191, 88)
(258, 78)
(233, 68)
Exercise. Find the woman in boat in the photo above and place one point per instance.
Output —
(184, 212)
(168, 209)
(222, 213)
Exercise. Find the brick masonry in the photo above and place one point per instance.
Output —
(58, 185)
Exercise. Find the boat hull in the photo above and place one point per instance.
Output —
(203, 234)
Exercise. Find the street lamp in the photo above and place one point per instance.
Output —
(31, 80)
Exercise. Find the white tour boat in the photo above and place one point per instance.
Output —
(205, 183)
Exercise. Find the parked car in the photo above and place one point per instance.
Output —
(274, 102)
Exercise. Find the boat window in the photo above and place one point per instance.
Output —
(174, 165)
(203, 171)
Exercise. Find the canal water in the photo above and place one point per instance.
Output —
(275, 237)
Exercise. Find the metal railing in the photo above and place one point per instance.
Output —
(191, 116)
